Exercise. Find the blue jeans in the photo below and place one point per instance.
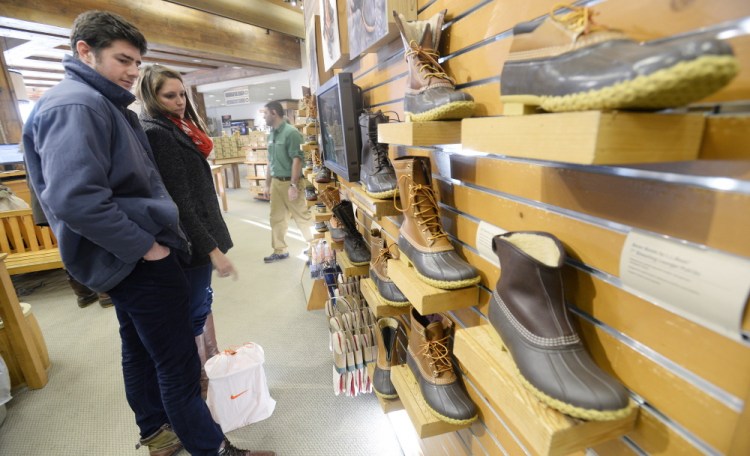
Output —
(201, 295)
(160, 362)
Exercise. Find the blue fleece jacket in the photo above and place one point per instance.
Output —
(90, 164)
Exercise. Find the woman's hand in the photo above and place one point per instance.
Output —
(221, 263)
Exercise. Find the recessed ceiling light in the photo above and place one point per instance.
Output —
(271, 93)
(237, 68)
(211, 96)
(197, 60)
(273, 88)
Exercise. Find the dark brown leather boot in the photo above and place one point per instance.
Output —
(354, 243)
(376, 173)
(430, 359)
(163, 442)
(430, 93)
(386, 335)
(84, 295)
(528, 311)
(421, 237)
(380, 255)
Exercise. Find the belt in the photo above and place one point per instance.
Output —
(283, 179)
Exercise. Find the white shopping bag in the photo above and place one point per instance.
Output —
(237, 388)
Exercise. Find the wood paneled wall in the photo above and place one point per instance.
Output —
(692, 382)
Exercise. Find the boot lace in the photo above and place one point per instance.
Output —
(438, 355)
(427, 62)
(580, 19)
(422, 197)
(384, 255)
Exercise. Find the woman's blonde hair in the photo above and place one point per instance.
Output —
(151, 80)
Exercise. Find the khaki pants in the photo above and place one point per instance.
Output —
(282, 209)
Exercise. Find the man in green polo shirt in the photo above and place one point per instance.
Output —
(285, 165)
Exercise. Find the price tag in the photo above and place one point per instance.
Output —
(483, 241)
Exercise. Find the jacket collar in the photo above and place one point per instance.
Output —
(79, 71)
(163, 122)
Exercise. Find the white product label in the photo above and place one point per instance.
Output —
(483, 241)
(704, 285)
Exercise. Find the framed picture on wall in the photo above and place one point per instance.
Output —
(334, 39)
(314, 54)
(370, 23)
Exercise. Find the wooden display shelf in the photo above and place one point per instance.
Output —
(334, 245)
(548, 431)
(309, 130)
(428, 299)
(256, 178)
(420, 133)
(301, 112)
(311, 203)
(379, 307)
(349, 269)
(425, 423)
(590, 137)
(322, 186)
(388, 405)
(321, 216)
(308, 147)
(255, 162)
(376, 208)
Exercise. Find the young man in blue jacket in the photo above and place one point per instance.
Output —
(92, 168)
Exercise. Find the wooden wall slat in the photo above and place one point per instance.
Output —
(656, 438)
(717, 218)
(726, 137)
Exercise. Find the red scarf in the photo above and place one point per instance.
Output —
(200, 139)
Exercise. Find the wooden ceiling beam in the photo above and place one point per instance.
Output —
(261, 13)
(172, 27)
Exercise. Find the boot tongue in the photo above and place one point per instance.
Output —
(434, 330)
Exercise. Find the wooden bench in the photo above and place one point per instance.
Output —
(29, 247)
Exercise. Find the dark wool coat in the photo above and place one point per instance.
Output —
(188, 179)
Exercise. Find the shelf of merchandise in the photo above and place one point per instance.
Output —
(321, 216)
(420, 133)
(425, 423)
(257, 178)
(589, 137)
(309, 130)
(376, 208)
(547, 431)
(379, 307)
(349, 269)
(334, 245)
(425, 298)
(308, 147)
(320, 186)
(388, 405)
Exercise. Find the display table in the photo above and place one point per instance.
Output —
(219, 184)
(232, 164)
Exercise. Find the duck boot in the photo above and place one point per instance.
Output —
(376, 173)
(354, 243)
(331, 198)
(430, 359)
(528, 310)
(163, 442)
(430, 93)
(421, 239)
(570, 63)
(386, 335)
(387, 290)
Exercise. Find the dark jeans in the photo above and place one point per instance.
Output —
(201, 295)
(159, 359)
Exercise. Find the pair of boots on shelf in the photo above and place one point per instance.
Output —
(380, 254)
(429, 357)
(331, 198)
(376, 171)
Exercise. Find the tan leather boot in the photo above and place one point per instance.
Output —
(430, 93)
(421, 237)
(331, 198)
(431, 361)
(163, 442)
(380, 254)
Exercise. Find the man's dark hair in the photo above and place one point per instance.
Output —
(276, 107)
(100, 28)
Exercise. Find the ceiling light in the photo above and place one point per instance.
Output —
(271, 93)
(272, 88)
(211, 96)
(237, 67)
(197, 60)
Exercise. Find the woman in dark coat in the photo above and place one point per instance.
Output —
(181, 145)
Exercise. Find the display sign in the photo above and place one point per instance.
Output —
(483, 241)
(704, 285)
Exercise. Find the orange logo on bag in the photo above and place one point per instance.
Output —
(235, 396)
